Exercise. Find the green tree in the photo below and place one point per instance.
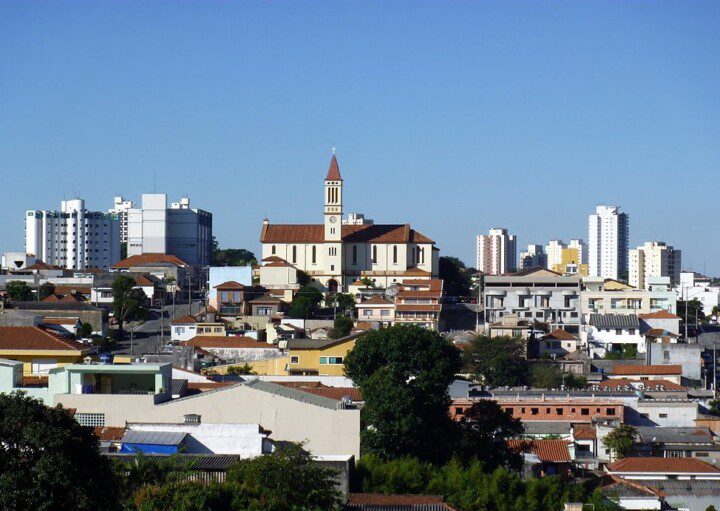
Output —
(48, 461)
(344, 302)
(18, 291)
(575, 381)
(457, 279)
(403, 373)
(85, 330)
(184, 496)
(230, 256)
(483, 434)
(243, 369)
(45, 290)
(497, 361)
(545, 376)
(695, 312)
(303, 278)
(288, 478)
(306, 302)
(621, 440)
(367, 282)
(128, 302)
(714, 406)
(342, 326)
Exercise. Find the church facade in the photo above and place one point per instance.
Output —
(339, 252)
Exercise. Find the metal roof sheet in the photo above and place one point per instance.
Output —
(153, 437)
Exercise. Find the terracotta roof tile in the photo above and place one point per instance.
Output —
(629, 370)
(546, 450)
(376, 300)
(315, 233)
(407, 307)
(34, 338)
(184, 320)
(109, 434)
(562, 335)
(60, 321)
(662, 314)
(584, 432)
(380, 499)
(649, 385)
(317, 388)
(141, 259)
(662, 465)
(230, 284)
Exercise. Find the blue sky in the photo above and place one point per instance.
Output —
(453, 116)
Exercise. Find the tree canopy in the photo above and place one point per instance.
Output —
(457, 279)
(497, 361)
(233, 257)
(18, 291)
(403, 373)
(306, 302)
(128, 301)
(621, 440)
(48, 461)
(45, 290)
(342, 326)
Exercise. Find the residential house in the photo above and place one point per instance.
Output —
(608, 296)
(418, 302)
(669, 442)
(324, 357)
(266, 305)
(83, 311)
(557, 343)
(377, 310)
(66, 326)
(233, 349)
(183, 328)
(652, 468)
(39, 349)
(162, 266)
(230, 299)
(610, 332)
(660, 320)
(689, 356)
(537, 295)
(543, 457)
(217, 275)
(672, 373)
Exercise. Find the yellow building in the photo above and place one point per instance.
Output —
(570, 263)
(39, 350)
(322, 357)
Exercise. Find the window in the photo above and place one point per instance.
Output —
(180, 329)
(559, 411)
(93, 420)
(294, 360)
(354, 254)
(631, 331)
(394, 254)
(584, 411)
(666, 355)
(223, 296)
(384, 313)
(610, 411)
(374, 254)
(294, 254)
(367, 312)
(335, 360)
(323, 360)
(273, 250)
(314, 254)
(534, 411)
(459, 410)
(663, 416)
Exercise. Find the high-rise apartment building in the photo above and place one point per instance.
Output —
(533, 257)
(608, 233)
(121, 209)
(73, 237)
(653, 259)
(582, 251)
(178, 230)
(553, 253)
(497, 252)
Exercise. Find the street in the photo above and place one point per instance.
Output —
(146, 336)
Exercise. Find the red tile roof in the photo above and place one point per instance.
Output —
(142, 259)
(315, 233)
(214, 341)
(376, 300)
(71, 290)
(143, 280)
(334, 170)
(662, 465)
(73, 298)
(562, 335)
(184, 320)
(629, 370)
(60, 321)
(39, 265)
(659, 315)
(317, 388)
(555, 451)
(584, 432)
(431, 284)
(418, 294)
(34, 338)
(230, 284)
(109, 434)
(51, 298)
(380, 499)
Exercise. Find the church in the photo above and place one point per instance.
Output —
(341, 251)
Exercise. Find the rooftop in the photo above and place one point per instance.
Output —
(315, 233)
(670, 370)
(149, 259)
(35, 338)
(554, 451)
(662, 465)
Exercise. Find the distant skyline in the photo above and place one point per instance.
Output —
(454, 117)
